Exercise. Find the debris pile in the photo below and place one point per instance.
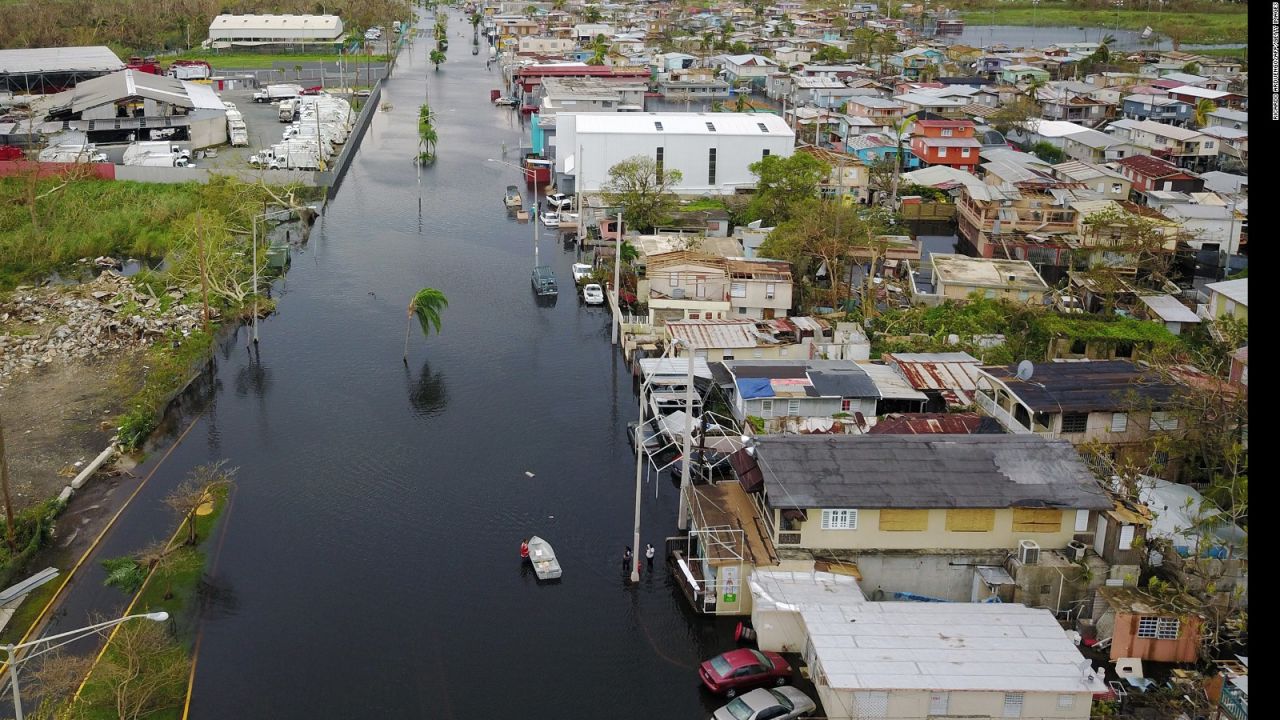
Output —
(41, 326)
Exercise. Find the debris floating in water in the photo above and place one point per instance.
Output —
(528, 474)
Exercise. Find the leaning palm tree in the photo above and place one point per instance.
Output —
(1033, 88)
(1200, 113)
(426, 306)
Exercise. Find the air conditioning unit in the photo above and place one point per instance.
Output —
(1076, 550)
(1028, 552)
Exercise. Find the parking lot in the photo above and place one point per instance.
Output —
(264, 126)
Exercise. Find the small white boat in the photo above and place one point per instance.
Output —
(550, 219)
(543, 558)
(513, 198)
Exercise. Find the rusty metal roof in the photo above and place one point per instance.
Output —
(936, 424)
(953, 375)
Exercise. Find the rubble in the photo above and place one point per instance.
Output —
(41, 326)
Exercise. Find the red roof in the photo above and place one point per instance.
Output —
(1154, 167)
(533, 71)
(936, 424)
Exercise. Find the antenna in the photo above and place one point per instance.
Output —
(1025, 370)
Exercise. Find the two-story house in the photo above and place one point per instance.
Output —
(684, 285)
(1015, 74)
(883, 111)
(946, 142)
(1185, 148)
(1229, 298)
(910, 63)
(749, 69)
(909, 514)
(1114, 403)
(848, 178)
(1158, 108)
(1008, 223)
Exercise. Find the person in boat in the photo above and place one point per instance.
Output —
(524, 549)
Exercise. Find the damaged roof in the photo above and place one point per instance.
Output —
(920, 472)
(1092, 386)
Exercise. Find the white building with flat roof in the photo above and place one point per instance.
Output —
(712, 151)
(908, 660)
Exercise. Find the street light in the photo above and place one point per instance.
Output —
(68, 637)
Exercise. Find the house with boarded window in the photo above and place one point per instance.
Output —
(911, 516)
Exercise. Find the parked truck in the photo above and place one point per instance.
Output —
(190, 70)
(288, 111)
(72, 154)
(156, 154)
(236, 128)
(289, 155)
(272, 93)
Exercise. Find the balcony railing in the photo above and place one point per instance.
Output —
(989, 406)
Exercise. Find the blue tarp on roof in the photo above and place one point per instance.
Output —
(755, 388)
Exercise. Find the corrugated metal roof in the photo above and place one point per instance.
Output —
(1167, 308)
(715, 334)
(953, 374)
(1093, 386)
(925, 472)
(936, 424)
(96, 58)
(892, 386)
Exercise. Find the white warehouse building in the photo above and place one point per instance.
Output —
(712, 151)
(251, 30)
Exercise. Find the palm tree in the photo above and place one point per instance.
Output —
(426, 306)
(436, 57)
(530, 11)
(1033, 87)
(1200, 113)
(899, 129)
(741, 103)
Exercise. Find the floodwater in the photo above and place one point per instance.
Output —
(369, 564)
(1033, 36)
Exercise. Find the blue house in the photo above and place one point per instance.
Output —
(1159, 108)
(909, 63)
(873, 147)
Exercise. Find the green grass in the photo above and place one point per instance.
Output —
(701, 204)
(259, 61)
(182, 604)
(1230, 25)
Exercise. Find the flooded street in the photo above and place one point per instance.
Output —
(369, 565)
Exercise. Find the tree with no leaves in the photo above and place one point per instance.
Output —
(146, 670)
(647, 196)
(197, 490)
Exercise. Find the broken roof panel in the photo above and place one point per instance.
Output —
(1092, 386)
(924, 472)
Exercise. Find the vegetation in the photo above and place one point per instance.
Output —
(426, 306)
(644, 191)
(1187, 22)
(142, 28)
(1027, 330)
(31, 530)
(1048, 152)
(427, 136)
(784, 183)
(267, 61)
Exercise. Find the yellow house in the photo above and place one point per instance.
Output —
(958, 276)
(912, 514)
(1229, 298)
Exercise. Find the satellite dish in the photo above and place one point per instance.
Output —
(1025, 370)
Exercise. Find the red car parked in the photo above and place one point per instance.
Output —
(743, 669)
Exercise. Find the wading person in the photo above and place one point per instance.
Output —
(626, 559)
(649, 552)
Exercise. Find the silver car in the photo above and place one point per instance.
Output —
(780, 703)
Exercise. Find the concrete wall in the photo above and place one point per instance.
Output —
(1126, 643)
(904, 704)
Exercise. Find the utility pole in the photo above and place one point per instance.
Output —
(617, 287)
(682, 521)
(8, 501)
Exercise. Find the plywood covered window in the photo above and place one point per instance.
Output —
(893, 520)
(1037, 520)
(971, 520)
